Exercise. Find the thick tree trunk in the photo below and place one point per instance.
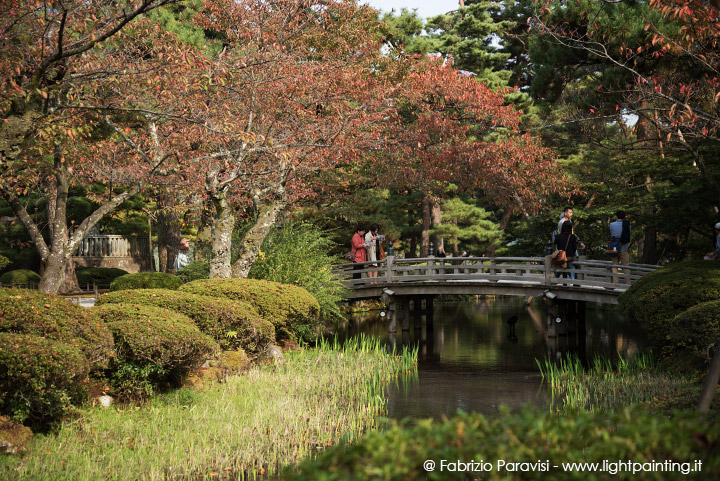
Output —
(436, 215)
(168, 229)
(222, 230)
(268, 213)
(649, 247)
(57, 227)
(62, 245)
(425, 232)
(54, 273)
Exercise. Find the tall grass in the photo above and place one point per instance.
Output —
(604, 386)
(249, 427)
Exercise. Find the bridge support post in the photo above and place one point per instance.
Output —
(429, 311)
(404, 313)
(417, 312)
(551, 315)
(392, 306)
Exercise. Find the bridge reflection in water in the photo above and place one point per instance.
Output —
(468, 359)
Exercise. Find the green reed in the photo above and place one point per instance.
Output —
(606, 386)
(249, 427)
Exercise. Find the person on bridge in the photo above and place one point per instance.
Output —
(716, 253)
(568, 242)
(372, 246)
(357, 244)
(620, 230)
(565, 217)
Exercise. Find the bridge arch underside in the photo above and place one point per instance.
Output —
(429, 288)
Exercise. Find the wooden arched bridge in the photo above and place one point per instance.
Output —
(587, 280)
(400, 282)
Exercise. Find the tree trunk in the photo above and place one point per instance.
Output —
(425, 232)
(53, 273)
(268, 212)
(412, 253)
(168, 230)
(204, 235)
(221, 244)
(504, 222)
(436, 215)
(649, 251)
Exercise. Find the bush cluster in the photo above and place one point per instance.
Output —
(657, 298)
(19, 277)
(40, 379)
(148, 334)
(32, 312)
(292, 310)
(102, 276)
(531, 436)
(231, 323)
(298, 254)
(154, 346)
(194, 271)
(697, 329)
(146, 280)
(4, 262)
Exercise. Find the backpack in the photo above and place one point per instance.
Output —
(625, 236)
(613, 249)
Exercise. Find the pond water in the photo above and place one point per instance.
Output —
(470, 360)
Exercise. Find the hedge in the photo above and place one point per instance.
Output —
(697, 330)
(146, 280)
(149, 334)
(656, 298)
(40, 379)
(53, 317)
(20, 276)
(232, 324)
(292, 310)
(102, 276)
(539, 440)
(4, 262)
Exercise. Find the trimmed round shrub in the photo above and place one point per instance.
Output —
(533, 441)
(53, 317)
(697, 329)
(146, 280)
(40, 379)
(19, 277)
(232, 324)
(156, 348)
(654, 300)
(149, 334)
(194, 271)
(102, 276)
(292, 310)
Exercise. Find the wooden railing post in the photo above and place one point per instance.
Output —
(388, 267)
(548, 270)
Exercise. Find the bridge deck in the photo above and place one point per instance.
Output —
(595, 281)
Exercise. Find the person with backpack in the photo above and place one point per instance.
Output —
(566, 243)
(619, 243)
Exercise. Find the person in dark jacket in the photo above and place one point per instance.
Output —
(568, 242)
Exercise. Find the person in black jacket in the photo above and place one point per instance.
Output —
(568, 242)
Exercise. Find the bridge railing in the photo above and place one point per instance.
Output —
(534, 270)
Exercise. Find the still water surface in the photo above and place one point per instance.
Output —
(470, 361)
